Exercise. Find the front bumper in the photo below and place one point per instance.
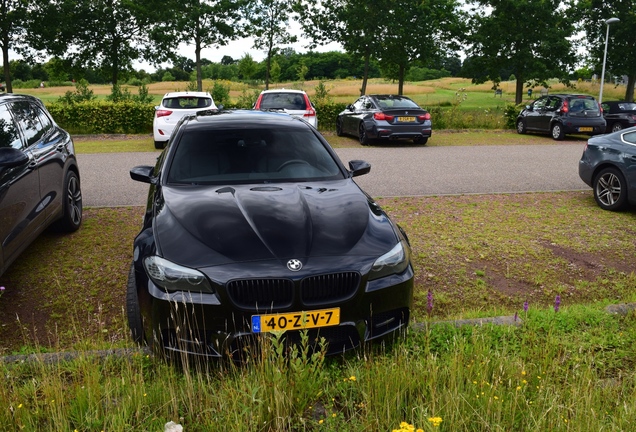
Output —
(213, 325)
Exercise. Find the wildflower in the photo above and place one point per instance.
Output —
(516, 316)
(321, 421)
(435, 421)
(352, 378)
(429, 299)
(518, 387)
(557, 303)
(525, 306)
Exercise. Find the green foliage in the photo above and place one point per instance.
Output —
(30, 84)
(95, 117)
(247, 99)
(167, 77)
(220, 93)
(321, 93)
(81, 94)
(510, 115)
(416, 73)
(327, 113)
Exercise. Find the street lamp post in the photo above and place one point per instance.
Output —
(608, 22)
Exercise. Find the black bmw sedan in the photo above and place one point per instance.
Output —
(385, 117)
(608, 165)
(253, 225)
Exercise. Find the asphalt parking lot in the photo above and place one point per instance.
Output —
(399, 171)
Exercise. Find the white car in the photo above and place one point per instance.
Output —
(173, 107)
(296, 103)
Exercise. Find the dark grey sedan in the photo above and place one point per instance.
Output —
(386, 117)
(608, 165)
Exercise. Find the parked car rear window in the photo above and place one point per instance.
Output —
(289, 101)
(187, 102)
(583, 104)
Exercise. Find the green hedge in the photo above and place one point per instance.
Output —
(103, 117)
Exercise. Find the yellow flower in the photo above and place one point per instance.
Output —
(333, 415)
(20, 406)
(352, 378)
(523, 372)
(435, 421)
(320, 421)
(518, 387)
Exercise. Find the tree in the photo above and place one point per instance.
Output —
(202, 23)
(440, 20)
(246, 66)
(13, 27)
(529, 38)
(107, 34)
(270, 27)
(621, 51)
(352, 23)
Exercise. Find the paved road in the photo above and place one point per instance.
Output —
(401, 171)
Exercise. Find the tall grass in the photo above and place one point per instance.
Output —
(571, 370)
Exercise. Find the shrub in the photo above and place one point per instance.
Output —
(510, 115)
(81, 94)
(94, 117)
(220, 93)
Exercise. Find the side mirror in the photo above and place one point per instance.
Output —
(11, 157)
(359, 167)
(143, 173)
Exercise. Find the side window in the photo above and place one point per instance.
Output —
(28, 120)
(553, 104)
(539, 103)
(45, 120)
(9, 136)
(630, 137)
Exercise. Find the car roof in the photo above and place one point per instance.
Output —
(186, 94)
(4, 97)
(572, 95)
(283, 90)
(241, 118)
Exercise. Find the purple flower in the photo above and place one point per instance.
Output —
(516, 316)
(429, 298)
(557, 303)
(525, 306)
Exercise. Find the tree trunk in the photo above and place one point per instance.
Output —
(519, 89)
(197, 59)
(6, 67)
(367, 56)
(267, 68)
(401, 80)
(629, 92)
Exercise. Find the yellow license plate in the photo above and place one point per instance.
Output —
(295, 320)
(586, 129)
(406, 119)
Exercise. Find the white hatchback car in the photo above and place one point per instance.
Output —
(173, 107)
(296, 103)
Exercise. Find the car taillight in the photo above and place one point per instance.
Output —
(162, 113)
(310, 113)
(423, 117)
(633, 117)
(600, 108)
(565, 107)
(382, 116)
(257, 105)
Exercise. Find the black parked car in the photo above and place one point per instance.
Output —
(253, 225)
(619, 115)
(386, 117)
(39, 177)
(562, 114)
(608, 165)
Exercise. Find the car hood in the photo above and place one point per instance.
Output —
(201, 226)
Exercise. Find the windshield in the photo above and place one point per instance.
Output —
(391, 101)
(255, 155)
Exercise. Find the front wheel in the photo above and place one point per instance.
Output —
(610, 189)
(133, 311)
(617, 127)
(521, 127)
(72, 205)
(557, 131)
(362, 135)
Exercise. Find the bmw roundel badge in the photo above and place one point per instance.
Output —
(294, 265)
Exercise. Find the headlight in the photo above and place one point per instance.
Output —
(393, 262)
(173, 277)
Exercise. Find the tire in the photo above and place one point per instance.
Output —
(339, 127)
(617, 127)
(420, 140)
(362, 134)
(133, 312)
(521, 127)
(71, 205)
(557, 131)
(159, 145)
(610, 189)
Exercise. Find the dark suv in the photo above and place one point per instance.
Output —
(39, 177)
(562, 114)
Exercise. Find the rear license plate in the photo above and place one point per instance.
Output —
(295, 320)
(586, 129)
(406, 119)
